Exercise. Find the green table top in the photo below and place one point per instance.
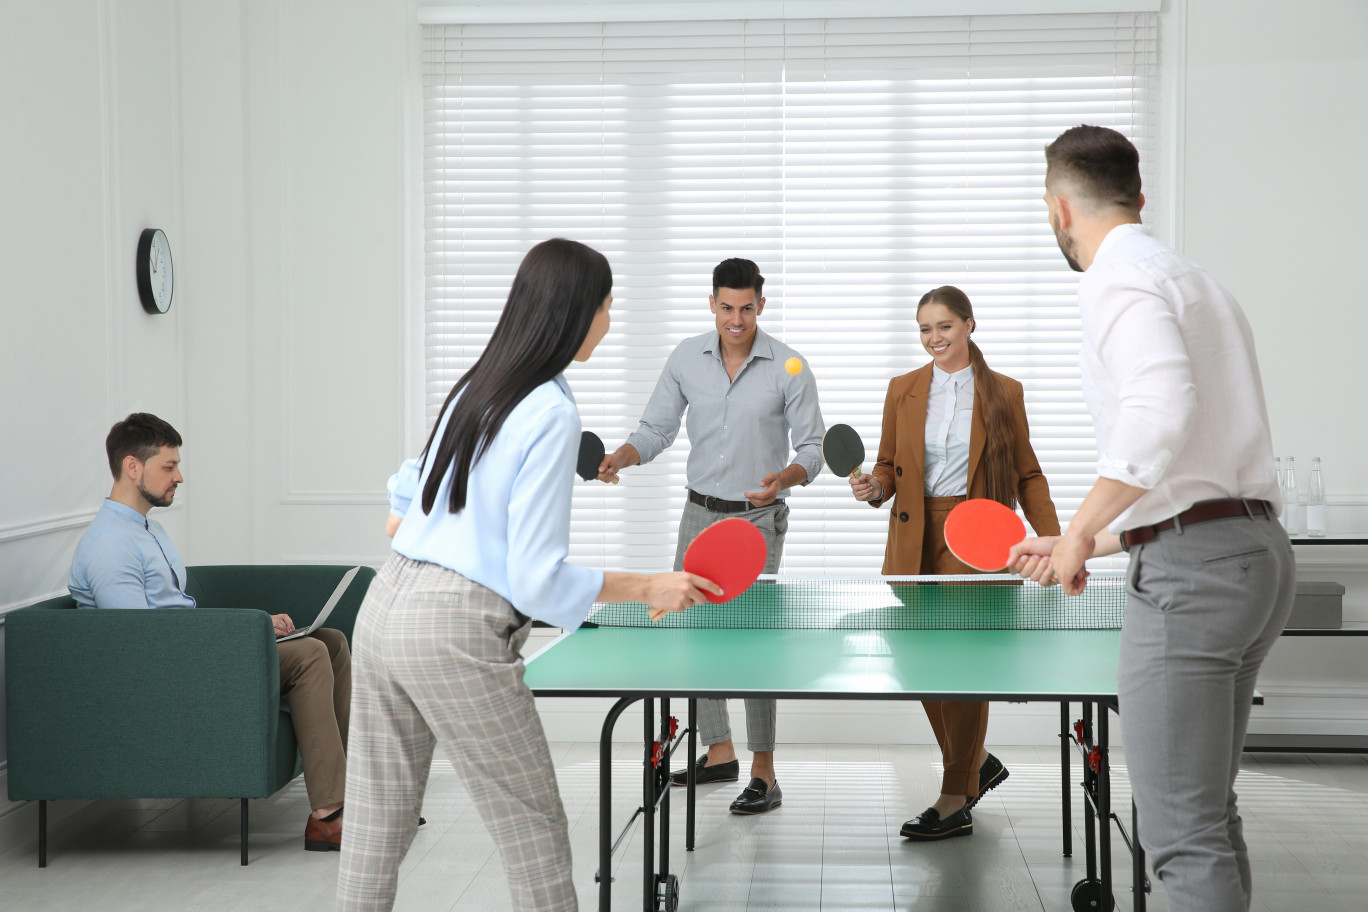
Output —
(1046, 665)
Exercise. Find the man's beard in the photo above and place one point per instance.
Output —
(163, 500)
(1066, 246)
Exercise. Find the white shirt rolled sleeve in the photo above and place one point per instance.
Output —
(1172, 380)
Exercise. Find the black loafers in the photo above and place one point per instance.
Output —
(757, 798)
(928, 825)
(990, 775)
(703, 774)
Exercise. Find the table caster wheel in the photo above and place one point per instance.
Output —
(667, 893)
(1087, 897)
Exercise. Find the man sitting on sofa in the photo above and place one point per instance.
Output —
(125, 560)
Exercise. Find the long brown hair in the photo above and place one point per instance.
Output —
(999, 444)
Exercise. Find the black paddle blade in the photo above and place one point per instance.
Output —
(842, 450)
(590, 456)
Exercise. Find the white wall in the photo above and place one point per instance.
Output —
(274, 141)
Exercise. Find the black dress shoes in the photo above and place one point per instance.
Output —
(990, 775)
(928, 825)
(722, 772)
(757, 798)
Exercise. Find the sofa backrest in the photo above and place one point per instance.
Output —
(299, 590)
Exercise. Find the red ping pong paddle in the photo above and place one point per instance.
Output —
(843, 451)
(731, 553)
(981, 532)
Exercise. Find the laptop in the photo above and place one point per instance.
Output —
(327, 608)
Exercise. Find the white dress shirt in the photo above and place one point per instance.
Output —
(949, 415)
(1172, 381)
(514, 534)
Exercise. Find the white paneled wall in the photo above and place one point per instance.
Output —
(275, 142)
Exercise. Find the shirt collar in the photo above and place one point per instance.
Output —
(1116, 235)
(124, 511)
(941, 377)
(565, 388)
(761, 346)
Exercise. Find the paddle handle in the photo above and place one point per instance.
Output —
(859, 470)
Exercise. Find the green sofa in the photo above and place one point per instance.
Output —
(161, 704)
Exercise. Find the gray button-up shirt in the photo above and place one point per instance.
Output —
(739, 430)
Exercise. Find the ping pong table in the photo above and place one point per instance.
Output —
(899, 638)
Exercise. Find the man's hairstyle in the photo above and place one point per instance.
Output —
(140, 435)
(738, 273)
(1098, 163)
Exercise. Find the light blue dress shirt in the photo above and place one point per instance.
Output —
(949, 422)
(125, 560)
(739, 430)
(513, 536)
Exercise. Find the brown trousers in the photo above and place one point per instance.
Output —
(960, 727)
(315, 677)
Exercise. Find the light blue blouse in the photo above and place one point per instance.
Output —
(125, 560)
(513, 536)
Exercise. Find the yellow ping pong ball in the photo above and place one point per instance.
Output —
(793, 365)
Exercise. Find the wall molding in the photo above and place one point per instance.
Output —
(67, 522)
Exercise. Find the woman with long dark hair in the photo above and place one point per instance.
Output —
(481, 525)
(952, 430)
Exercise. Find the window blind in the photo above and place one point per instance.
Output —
(859, 162)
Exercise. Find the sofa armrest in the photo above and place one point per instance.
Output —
(140, 703)
(299, 590)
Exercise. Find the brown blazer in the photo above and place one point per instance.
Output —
(902, 460)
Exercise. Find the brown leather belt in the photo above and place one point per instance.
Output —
(1200, 512)
(718, 505)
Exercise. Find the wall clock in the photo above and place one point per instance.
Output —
(156, 279)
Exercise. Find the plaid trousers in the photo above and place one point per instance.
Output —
(437, 658)
(714, 723)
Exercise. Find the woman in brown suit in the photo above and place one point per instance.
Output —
(952, 430)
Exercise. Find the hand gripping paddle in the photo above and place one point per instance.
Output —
(731, 553)
(981, 532)
(843, 451)
(590, 456)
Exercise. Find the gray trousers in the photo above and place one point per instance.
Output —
(1204, 607)
(714, 725)
(437, 658)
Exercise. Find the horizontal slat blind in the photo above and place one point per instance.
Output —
(860, 162)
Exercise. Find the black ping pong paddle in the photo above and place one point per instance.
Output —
(591, 454)
(843, 451)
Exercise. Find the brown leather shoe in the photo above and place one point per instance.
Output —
(323, 837)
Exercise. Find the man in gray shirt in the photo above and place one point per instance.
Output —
(744, 403)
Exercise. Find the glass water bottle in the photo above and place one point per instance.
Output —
(1315, 501)
(1291, 515)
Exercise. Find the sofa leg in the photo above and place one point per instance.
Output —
(244, 832)
(42, 833)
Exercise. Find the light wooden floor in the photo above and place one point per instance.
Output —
(833, 845)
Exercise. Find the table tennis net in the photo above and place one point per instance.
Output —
(894, 603)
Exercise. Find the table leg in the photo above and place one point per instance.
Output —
(662, 780)
(648, 807)
(605, 869)
(1089, 810)
(1104, 860)
(1066, 787)
(689, 780)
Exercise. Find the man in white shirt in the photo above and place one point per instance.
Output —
(1186, 485)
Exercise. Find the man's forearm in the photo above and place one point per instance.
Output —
(1107, 500)
(792, 476)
